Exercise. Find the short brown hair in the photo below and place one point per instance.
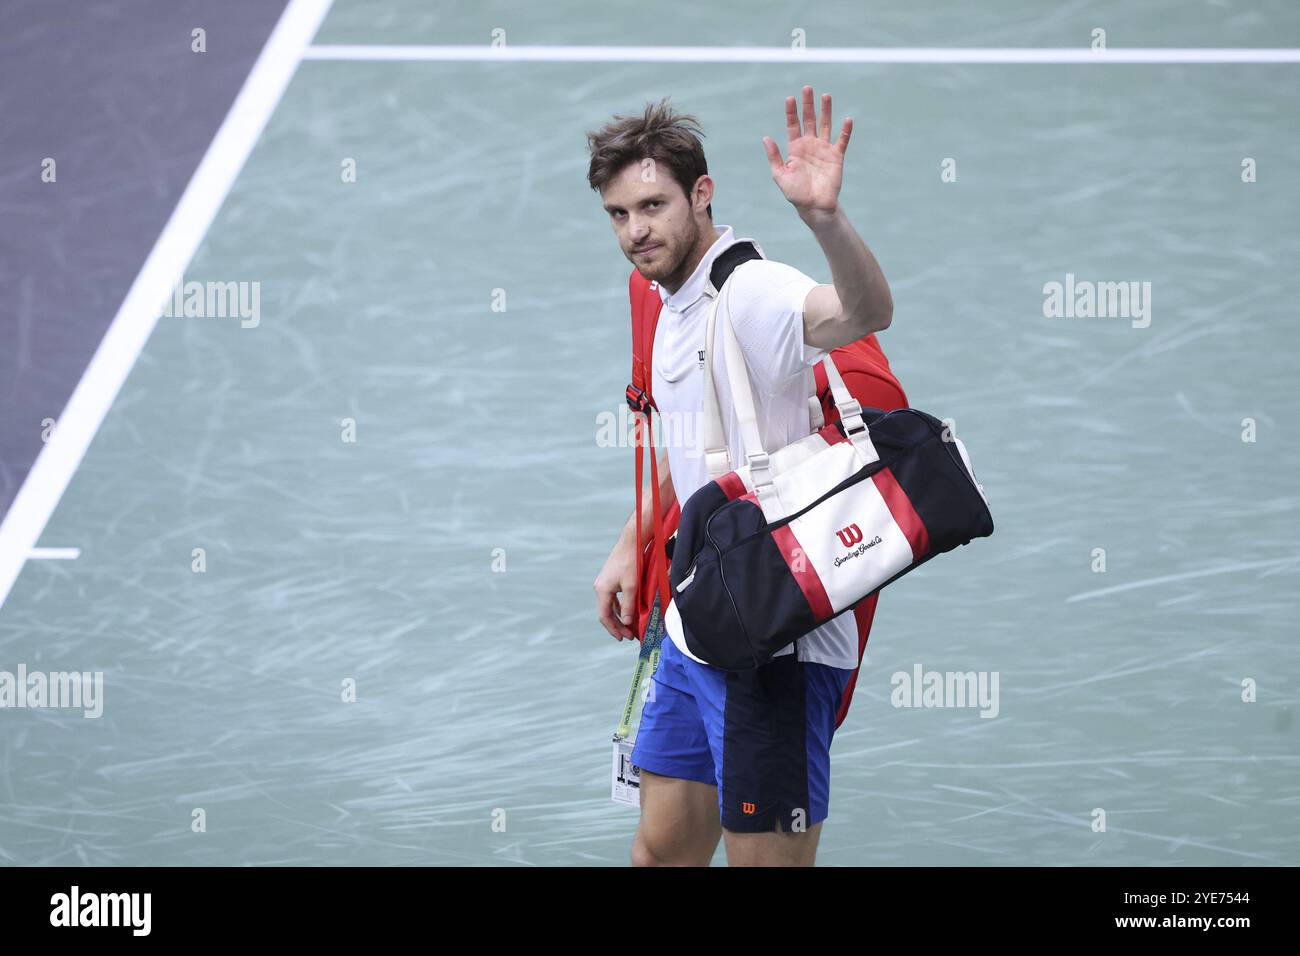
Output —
(661, 134)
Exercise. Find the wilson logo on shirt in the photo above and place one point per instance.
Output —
(700, 353)
(850, 536)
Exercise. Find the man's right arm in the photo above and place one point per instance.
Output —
(666, 498)
(616, 585)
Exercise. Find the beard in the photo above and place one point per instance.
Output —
(668, 260)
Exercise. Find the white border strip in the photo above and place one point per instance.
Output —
(171, 254)
(777, 54)
(54, 554)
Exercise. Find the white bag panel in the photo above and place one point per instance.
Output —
(801, 484)
(789, 457)
(862, 514)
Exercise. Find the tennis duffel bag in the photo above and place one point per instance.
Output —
(771, 551)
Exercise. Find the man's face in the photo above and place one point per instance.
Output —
(652, 218)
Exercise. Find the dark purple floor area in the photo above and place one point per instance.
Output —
(113, 92)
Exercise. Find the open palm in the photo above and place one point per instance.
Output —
(811, 175)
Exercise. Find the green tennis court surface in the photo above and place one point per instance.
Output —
(443, 559)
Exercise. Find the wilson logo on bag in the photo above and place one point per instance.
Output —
(850, 535)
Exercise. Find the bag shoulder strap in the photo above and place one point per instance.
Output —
(645, 316)
(742, 395)
(646, 305)
(742, 250)
(717, 454)
(716, 457)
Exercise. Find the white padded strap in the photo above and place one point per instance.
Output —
(742, 393)
(815, 417)
(742, 398)
(844, 401)
(716, 456)
(716, 453)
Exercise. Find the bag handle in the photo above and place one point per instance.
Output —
(761, 475)
(716, 452)
(850, 413)
(717, 458)
(717, 455)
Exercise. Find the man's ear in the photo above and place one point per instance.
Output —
(703, 193)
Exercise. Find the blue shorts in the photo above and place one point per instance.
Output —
(762, 737)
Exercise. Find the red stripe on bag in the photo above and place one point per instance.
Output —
(731, 485)
(903, 513)
(809, 583)
(831, 435)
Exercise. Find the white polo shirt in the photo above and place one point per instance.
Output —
(766, 300)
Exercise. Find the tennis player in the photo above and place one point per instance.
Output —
(745, 755)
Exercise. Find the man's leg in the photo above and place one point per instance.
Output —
(773, 849)
(770, 731)
(679, 823)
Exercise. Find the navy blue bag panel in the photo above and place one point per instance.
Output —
(931, 472)
(769, 604)
(739, 583)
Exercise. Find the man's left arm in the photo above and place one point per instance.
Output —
(857, 302)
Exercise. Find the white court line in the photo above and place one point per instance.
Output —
(171, 254)
(780, 54)
(54, 554)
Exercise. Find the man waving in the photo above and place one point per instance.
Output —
(745, 754)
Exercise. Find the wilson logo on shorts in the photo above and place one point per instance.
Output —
(850, 536)
(748, 808)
